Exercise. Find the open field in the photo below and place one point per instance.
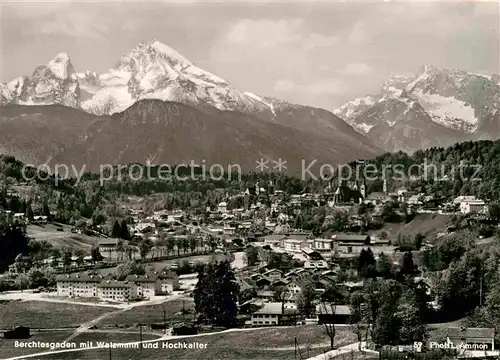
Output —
(47, 315)
(149, 314)
(211, 353)
(258, 344)
(121, 337)
(8, 348)
(61, 239)
(160, 265)
(429, 225)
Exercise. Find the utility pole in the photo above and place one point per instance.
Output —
(164, 320)
(481, 290)
(110, 352)
(140, 334)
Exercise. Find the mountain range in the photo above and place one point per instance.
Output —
(435, 107)
(156, 103)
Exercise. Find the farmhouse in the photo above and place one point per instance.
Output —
(273, 274)
(323, 245)
(472, 206)
(295, 245)
(349, 244)
(274, 314)
(328, 314)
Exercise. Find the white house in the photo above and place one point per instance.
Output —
(324, 245)
(222, 207)
(472, 206)
(295, 245)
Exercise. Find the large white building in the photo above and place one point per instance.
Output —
(472, 206)
(77, 285)
(324, 245)
(116, 290)
(295, 245)
(146, 286)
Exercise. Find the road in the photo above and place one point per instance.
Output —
(50, 297)
(343, 350)
(88, 325)
(327, 356)
(44, 355)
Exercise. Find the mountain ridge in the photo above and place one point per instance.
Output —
(461, 106)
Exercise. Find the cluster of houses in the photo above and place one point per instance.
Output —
(341, 244)
(22, 218)
(134, 287)
(267, 310)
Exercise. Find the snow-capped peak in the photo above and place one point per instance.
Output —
(61, 66)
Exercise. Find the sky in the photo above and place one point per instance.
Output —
(313, 53)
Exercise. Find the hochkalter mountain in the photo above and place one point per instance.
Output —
(436, 107)
(169, 94)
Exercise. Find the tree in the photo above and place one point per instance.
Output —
(216, 294)
(384, 267)
(66, 258)
(116, 231)
(306, 297)
(366, 263)
(145, 248)
(22, 281)
(13, 241)
(251, 255)
(124, 232)
(95, 254)
(120, 248)
(494, 211)
(37, 278)
(358, 317)
(386, 324)
(170, 244)
(328, 304)
(80, 254)
(193, 243)
(411, 321)
(407, 265)
(29, 213)
(280, 294)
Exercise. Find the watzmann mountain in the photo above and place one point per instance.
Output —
(156, 103)
(436, 107)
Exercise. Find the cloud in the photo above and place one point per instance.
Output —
(269, 33)
(315, 40)
(328, 86)
(265, 33)
(284, 86)
(358, 33)
(73, 24)
(357, 69)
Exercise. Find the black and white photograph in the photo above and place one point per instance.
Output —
(249, 179)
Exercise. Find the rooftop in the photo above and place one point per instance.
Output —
(274, 309)
(78, 278)
(114, 284)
